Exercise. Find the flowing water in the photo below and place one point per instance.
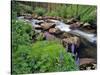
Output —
(65, 27)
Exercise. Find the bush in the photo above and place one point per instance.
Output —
(20, 60)
(52, 13)
(50, 56)
(21, 33)
(39, 11)
(40, 37)
(25, 9)
(20, 8)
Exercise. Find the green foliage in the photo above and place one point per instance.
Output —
(21, 45)
(24, 8)
(89, 15)
(84, 12)
(14, 15)
(21, 33)
(52, 13)
(20, 8)
(40, 37)
(20, 60)
(50, 56)
(59, 11)
(39, 11)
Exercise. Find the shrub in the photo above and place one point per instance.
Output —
(52, 13)
(21, 45)
(25, 8)
(20, 60)
(39, 11)
(50, 56)
(20, 8)
(40, 37)
(21, 33)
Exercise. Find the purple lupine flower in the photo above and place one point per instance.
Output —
(46, 35)
(72, 48)
(77, 60)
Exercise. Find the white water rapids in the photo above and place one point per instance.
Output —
(65, 27)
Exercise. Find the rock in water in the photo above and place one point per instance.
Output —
(87, 64)
(86, 24)
(40, 18)
(28, 16)
(86, 60)
(37, 27)
(72, 20)
(48, 36)
(72, 40)
(54, 31)
(46, 26)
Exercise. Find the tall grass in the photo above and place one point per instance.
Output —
(84, 13)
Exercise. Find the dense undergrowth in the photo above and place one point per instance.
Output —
(40, 56)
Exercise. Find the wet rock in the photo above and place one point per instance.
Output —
(34, 16)
(50, 17)
(66, 35)
(37, 27)
(88, 28)
(90, 66)
(49, 21)
(20, 17)
(86, 24)
(28, 16)
(39, 22)
(81, 23)
(86, 61)
(54, 31)
(49, 36)
(46, 26)
(71, 21)
(87, 64)
(71, 40)
(76, 25)
(40, 18)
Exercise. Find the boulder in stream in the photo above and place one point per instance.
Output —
(28, 16)
(46, 26)
(54, 31)
(86, 24)
(71, 40)
(40, 18)
(49, 36)
(71, 21)
(87, 64)
(37, 27)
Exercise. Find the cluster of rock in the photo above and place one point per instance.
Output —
(74, 23)
(85, 26)
(91, 64)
